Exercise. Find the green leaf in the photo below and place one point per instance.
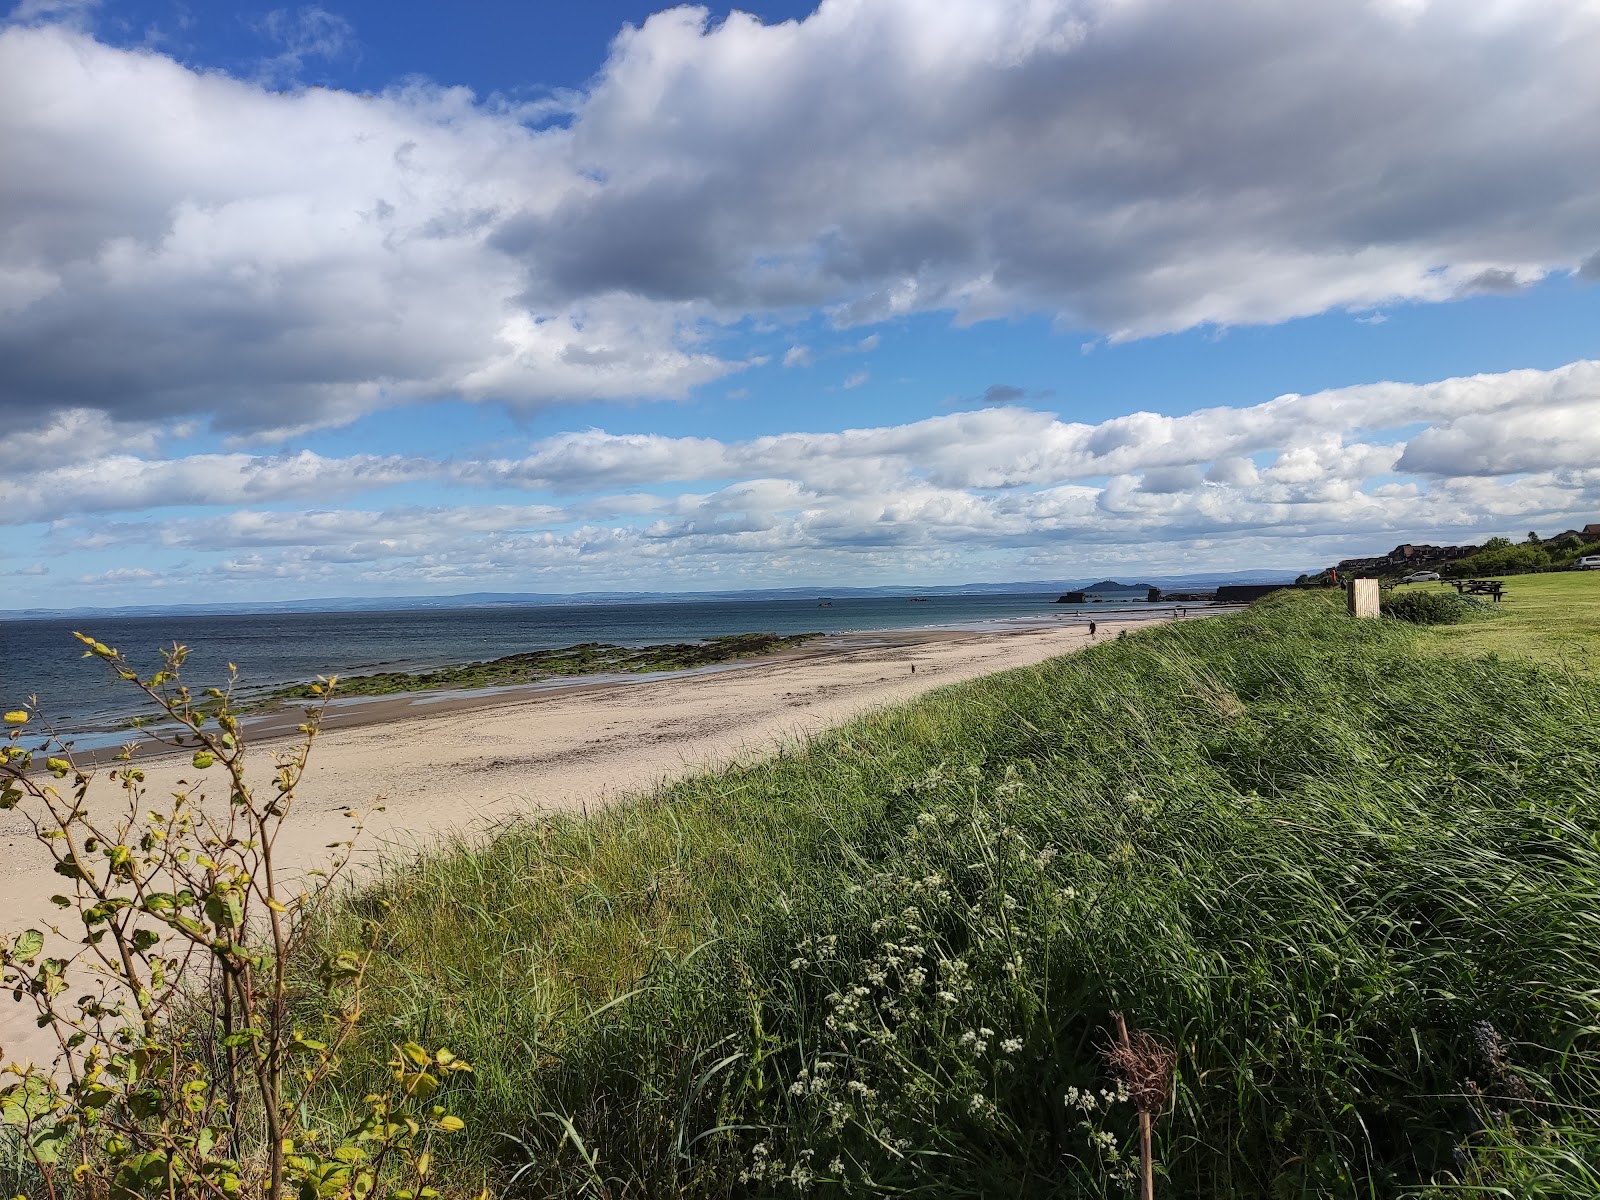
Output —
(49, 1143)
(225, 909)
(419, 1086)
(28, 944)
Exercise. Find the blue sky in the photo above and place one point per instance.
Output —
(350, 299)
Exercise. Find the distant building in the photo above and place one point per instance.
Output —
(1591, 533)
(1407, 556)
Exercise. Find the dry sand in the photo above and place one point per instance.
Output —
(467, 763)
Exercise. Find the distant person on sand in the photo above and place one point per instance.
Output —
(1092, 628)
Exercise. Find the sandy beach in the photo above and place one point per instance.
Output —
(466, 762)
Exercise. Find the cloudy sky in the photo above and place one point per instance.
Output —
(372, 298)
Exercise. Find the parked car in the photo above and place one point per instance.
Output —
(1421, 577)
(1589, 562)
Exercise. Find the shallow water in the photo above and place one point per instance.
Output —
(41, 657)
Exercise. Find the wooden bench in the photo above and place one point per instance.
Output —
(1480, 587)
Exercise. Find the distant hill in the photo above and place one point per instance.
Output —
(1111, 585)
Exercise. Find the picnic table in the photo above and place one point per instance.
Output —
(1480, 587)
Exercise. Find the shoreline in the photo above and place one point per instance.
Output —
(459, 769)
(358, 711)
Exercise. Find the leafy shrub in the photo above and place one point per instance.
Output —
(180, 1072)
(1430, 607)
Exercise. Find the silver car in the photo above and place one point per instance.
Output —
(1421, 577)
(1589, 562)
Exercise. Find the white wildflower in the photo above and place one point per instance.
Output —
(1011, 1045)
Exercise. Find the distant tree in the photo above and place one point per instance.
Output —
(1533, 538)
(1497, 543)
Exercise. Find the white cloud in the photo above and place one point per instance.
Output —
(998, 447)
(1339, 470)
(73, 12)
(309, 32)
(798, 356)
(281, 261)
(855, 379)
(71, 436)
(123, 482)
(1134, 167)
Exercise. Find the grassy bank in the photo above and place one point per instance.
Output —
(586, 658)
(1354, 883)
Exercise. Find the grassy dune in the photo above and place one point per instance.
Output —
(1354, 882)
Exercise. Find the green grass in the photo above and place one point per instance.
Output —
(1316, 856)
(1552, 619)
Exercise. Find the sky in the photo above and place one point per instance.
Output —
(361, 299)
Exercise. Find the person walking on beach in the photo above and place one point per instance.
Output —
(1092, 628)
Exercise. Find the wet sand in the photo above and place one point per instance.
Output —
(462, 762)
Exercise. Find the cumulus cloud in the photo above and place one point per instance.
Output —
(1454, 459)
(74, 435)
(851, 159)
(1010, 447)
(124, 482)
(283, 260)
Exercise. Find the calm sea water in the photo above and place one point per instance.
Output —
(40, 657)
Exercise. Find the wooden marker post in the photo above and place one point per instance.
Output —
(1363, 597)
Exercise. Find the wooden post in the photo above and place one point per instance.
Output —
(1147, 1158)
(1362, 597)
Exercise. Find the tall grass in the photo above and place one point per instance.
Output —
(1356, 887)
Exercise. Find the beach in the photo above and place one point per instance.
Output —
(463, 762)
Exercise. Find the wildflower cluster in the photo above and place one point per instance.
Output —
(907, 1049)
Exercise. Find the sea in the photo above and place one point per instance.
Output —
(40, 657)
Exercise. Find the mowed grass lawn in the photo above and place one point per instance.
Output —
(1552, 619)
